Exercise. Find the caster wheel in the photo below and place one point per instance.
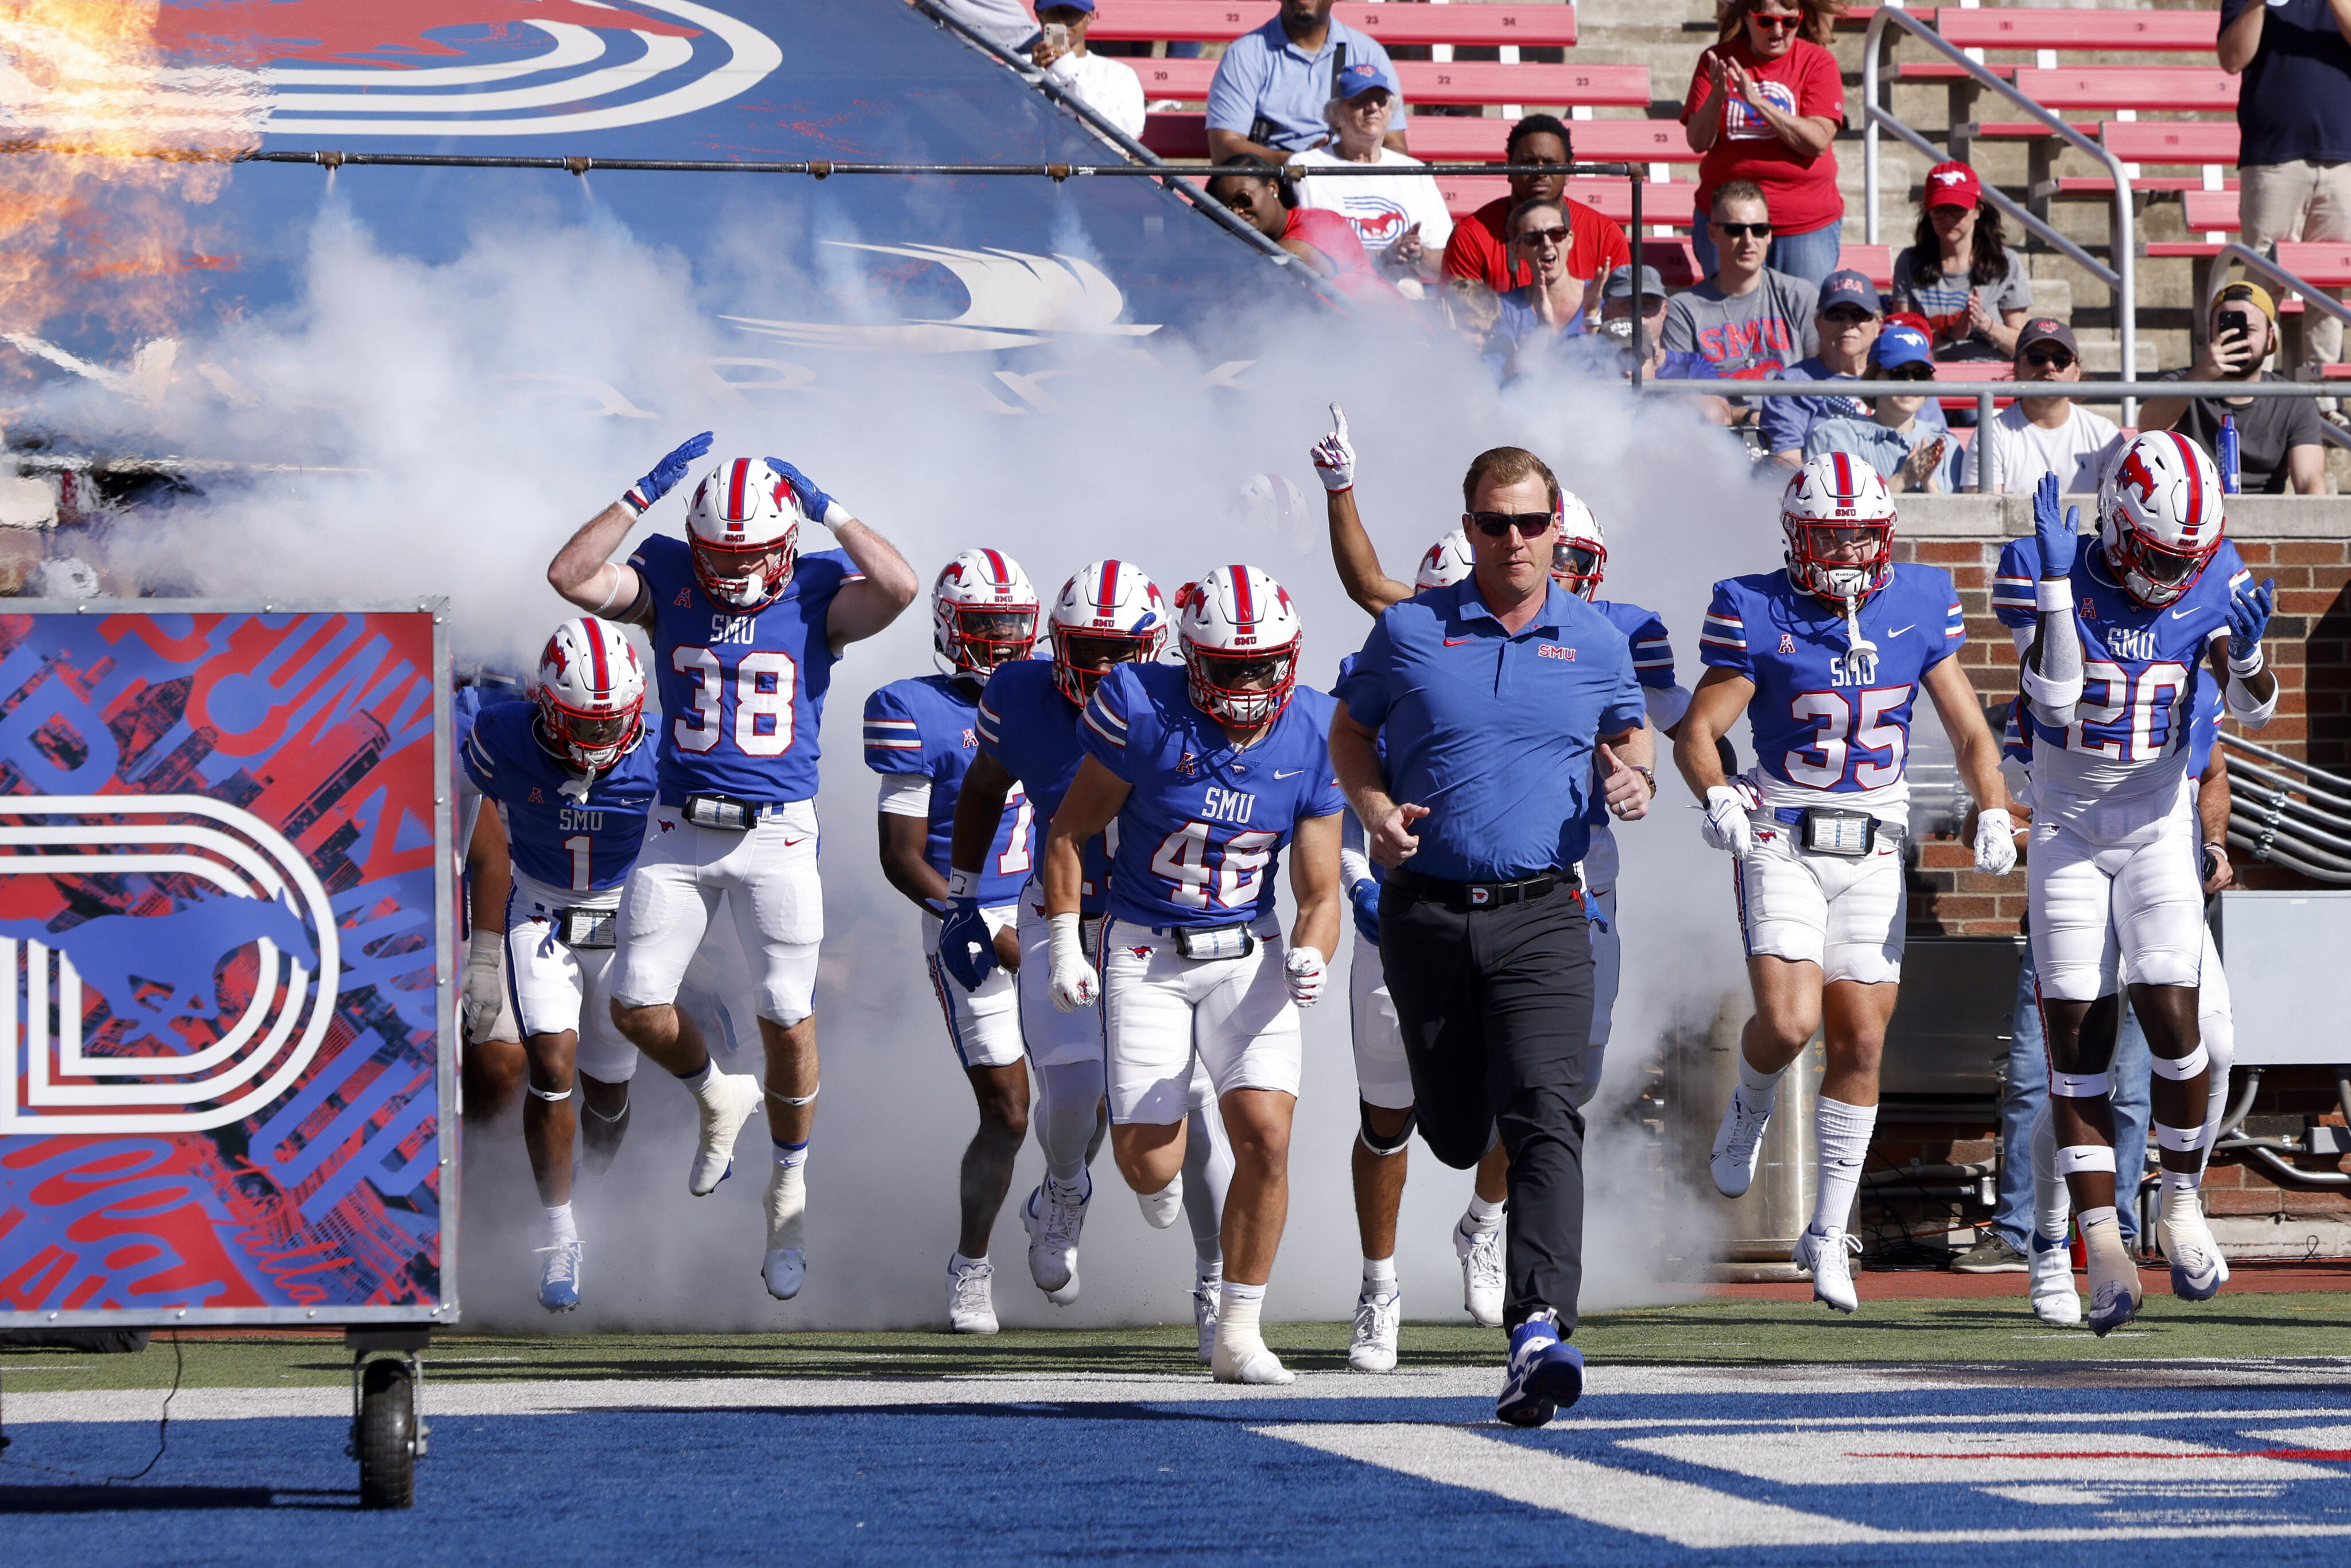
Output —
(386, 1440)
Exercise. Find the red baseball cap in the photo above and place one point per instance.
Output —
(1953, 185)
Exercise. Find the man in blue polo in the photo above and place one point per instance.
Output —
(1504, 701)
(1272, 85)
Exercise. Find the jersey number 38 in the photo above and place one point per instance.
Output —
(764, 686)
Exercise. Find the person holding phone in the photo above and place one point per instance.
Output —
(1105, 86)
(2280, 447)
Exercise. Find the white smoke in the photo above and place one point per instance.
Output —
(460, 419)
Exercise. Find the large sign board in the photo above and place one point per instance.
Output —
(227, 1046)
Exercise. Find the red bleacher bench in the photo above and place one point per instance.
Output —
(1874, 262)
(2210, 212)
(2170, 140)
(2184, 89)
(1442, 81)
(1216, 21)
(2037, 27)
(1446, 139)
(2326, 263)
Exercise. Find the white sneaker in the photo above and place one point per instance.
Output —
(1053, 1216)
(559, 1282)
(2197, 1270)
(1480, 1253)
(1252, 1363)
(1160, 1209)
(971, 1305)
(2054, 1299)
(1829, 1255)
(732, 1097)
(1375, 1345)
(1737, 1144)
(786, 1261)
(1206, 1295)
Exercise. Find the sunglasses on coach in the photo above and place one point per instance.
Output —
(1738, 231)
(1496, 525)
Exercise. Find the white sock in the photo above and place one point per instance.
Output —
(791, 1157)
(1842, 1132)
(1483, 1215)
(2182, 1183)
(958, 1262)
(700, 1082)
(559, 1226)
(1379, 1276)
(2052, 1205)
(1209, 1270)
(1757, 1087)
(1239, 1308)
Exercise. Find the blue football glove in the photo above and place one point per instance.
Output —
(2249, 618)
(667, 473)
(814, 502)
(2058, 540)
(967, 948)
(1366, 896)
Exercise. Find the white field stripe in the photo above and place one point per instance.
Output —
(1679, 1511)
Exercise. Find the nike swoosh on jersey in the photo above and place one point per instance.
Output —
(1457, 642)
(1294, 773)
(2178, 614)
(1900, 629)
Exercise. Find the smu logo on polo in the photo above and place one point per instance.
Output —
(171, 1019)
(1553, 651)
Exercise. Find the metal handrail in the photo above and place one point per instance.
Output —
(2119, 277)
(2264, 818)
(2255, 262)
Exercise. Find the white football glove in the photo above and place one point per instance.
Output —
(1335, 455)
(1995, 843)
(1726, 827)
(1302, 969)
(1074, 983)
(481, 994)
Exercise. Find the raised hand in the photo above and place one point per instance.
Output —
(2248, 619)
(815, 505)
(1335, 455)
(666, 475)
(2058, 539)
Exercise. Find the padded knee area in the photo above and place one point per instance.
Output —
(1387, 1146)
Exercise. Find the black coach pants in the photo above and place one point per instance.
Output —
(1495, 1010)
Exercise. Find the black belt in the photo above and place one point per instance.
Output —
(1481, 895)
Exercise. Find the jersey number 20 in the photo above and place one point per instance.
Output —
(764, 686)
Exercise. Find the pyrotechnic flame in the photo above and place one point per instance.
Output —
(109, 152)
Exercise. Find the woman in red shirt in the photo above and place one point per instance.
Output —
(1764, 105)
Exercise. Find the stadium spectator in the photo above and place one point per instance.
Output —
(1261, 197)
(1609, 350)
(1272, 83)
(2293, 162)
(1959, 273)
(1473, 310)
(1480, 248)
(1748, 320)
(1845, 324)
(2280, 444)
(1533, 319)
(2048, 434)
(1109, 88)
(1895, 437)
(1764, 105)
(1004, 23)
(1400, 218)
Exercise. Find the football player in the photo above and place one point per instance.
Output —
(493, 1061)
(573, 782)
(746, 630)
(1028, 719)
(2123, 635)
(921, 735)
(1825, 658)
(1208, 771)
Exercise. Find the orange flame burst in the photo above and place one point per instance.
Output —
(108, 154)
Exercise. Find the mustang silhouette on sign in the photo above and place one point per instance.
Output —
(155, 969)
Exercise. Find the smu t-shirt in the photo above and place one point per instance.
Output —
(2295, 102)
(1747, 337)
(1800, 192)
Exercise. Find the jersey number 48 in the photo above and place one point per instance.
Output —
(1234, 880)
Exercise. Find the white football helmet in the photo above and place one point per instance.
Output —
(1837, 494)
(983, 614)
(1446, 563)
(1106, 602)
(744, 523)
(2160, 516)
(1579, 559)
(592, 693)
(1242, 637)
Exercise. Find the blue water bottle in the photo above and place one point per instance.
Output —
(2228, 453)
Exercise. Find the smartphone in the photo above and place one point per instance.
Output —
(2236, 327)
(1058, 35)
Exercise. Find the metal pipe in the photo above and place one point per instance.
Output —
(2080, 392)
(2238, 742)
(825, 168)
(2309, 785)
(2338, 875)
(2254, 261)
(2296, 1174)
(2236, 1117)
(1987, 459)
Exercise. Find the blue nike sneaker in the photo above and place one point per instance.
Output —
(559, 1282)
(1545, 1376)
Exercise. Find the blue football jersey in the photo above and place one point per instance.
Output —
(2145, 674)
(1823, 723)
(1653, 666)
(586, 846)
(1031, 729)
(742, 693)
(927, 727)
(1200, 836)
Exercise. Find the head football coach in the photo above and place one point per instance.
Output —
(1499, 703)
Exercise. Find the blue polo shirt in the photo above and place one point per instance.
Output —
(1263, 73)
(1494, 732)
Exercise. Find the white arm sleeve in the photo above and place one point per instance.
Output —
(1665, 707)
(2052, 677)
(2240, 703)
(905, 795)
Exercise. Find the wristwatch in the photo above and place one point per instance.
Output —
(1647, 777)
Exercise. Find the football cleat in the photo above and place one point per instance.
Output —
(971, 1306)
(1374, 1348)
(2188, 1246)
(783, 1271)
(1829, 1255)
(1545, 1373)
(2114, 1279)
(2054, 1299)
(732, 1097)
(786, 1264)
(1053, 1216)
(1204, 1295)
(559, 1282)
(1738, 1143)
(1480, 1253)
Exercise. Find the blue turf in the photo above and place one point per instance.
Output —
(953, 1483)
